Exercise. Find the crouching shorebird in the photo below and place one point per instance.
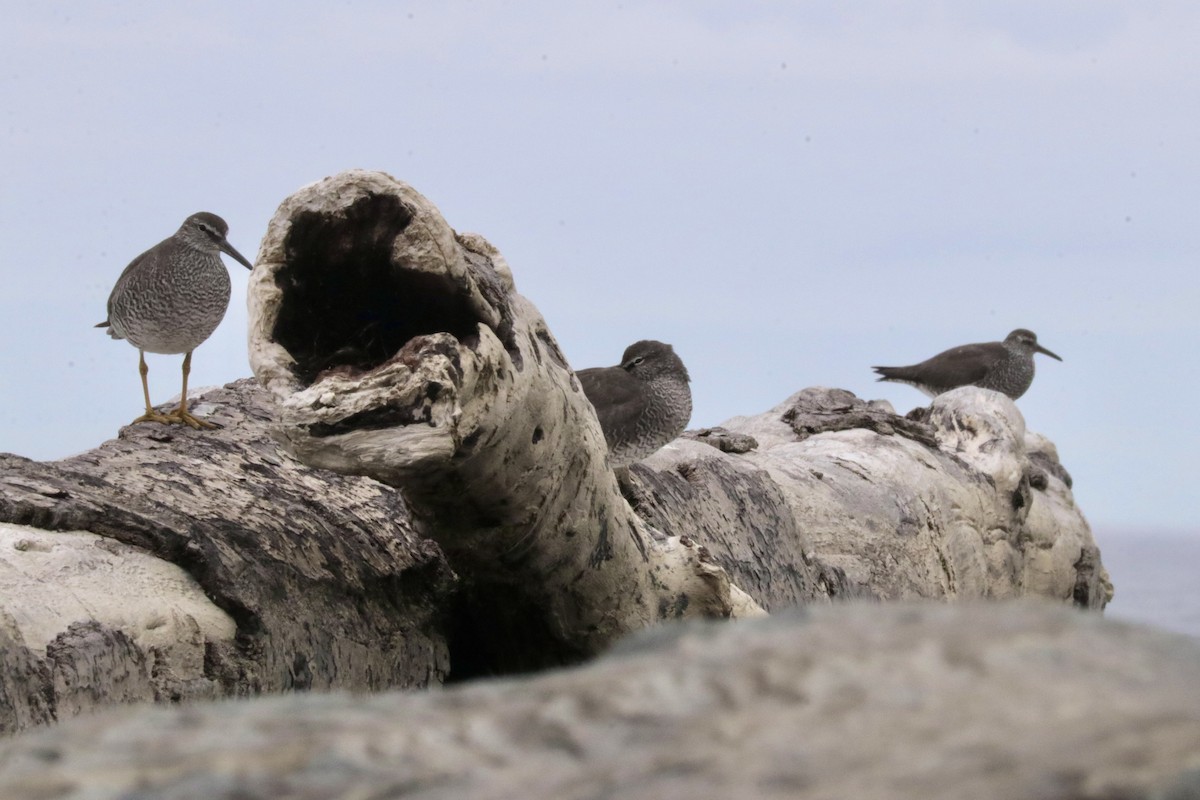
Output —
(643, 403)
(171, 298)
(1002, 366)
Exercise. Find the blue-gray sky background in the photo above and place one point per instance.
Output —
(787, 192)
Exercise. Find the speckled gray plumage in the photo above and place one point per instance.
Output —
(1005, 367)
(643, 403)
(173, 296)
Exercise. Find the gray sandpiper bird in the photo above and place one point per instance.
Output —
(1002, 366)
(643, 403)
(171, 298)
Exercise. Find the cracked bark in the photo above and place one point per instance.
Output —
(170, 564)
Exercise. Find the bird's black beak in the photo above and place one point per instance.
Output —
(231, 250)
(1041, 349)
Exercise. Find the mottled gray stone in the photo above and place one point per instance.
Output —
(864, 701)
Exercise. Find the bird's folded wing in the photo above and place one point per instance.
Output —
(959, 366)
(615, 395)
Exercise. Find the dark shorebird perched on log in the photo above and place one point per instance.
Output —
(1002, 366)
(171, 298)
(642, 403)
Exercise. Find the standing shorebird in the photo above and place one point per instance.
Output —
(171, 298)
(1002, 366)
(643, 403)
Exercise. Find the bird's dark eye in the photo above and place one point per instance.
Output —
(637, 361)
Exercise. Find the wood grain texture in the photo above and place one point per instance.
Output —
(323, 575)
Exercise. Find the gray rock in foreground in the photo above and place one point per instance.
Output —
(850, 701)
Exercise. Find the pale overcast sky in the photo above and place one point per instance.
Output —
(787, 192)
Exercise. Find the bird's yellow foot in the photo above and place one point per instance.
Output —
(154, 416)
(181, 416)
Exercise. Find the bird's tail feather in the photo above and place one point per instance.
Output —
(111, 331)
(886, 373)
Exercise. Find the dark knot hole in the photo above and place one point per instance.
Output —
(348, 305)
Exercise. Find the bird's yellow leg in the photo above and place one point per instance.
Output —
(151, 415)
(181, 414)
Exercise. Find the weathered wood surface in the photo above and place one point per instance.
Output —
(399, 349)
(841, 497)
(893, 701)
(171, 564)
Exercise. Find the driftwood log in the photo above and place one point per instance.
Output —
(965, 504)
(170, 564)
(399, 349)
(415, 488)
